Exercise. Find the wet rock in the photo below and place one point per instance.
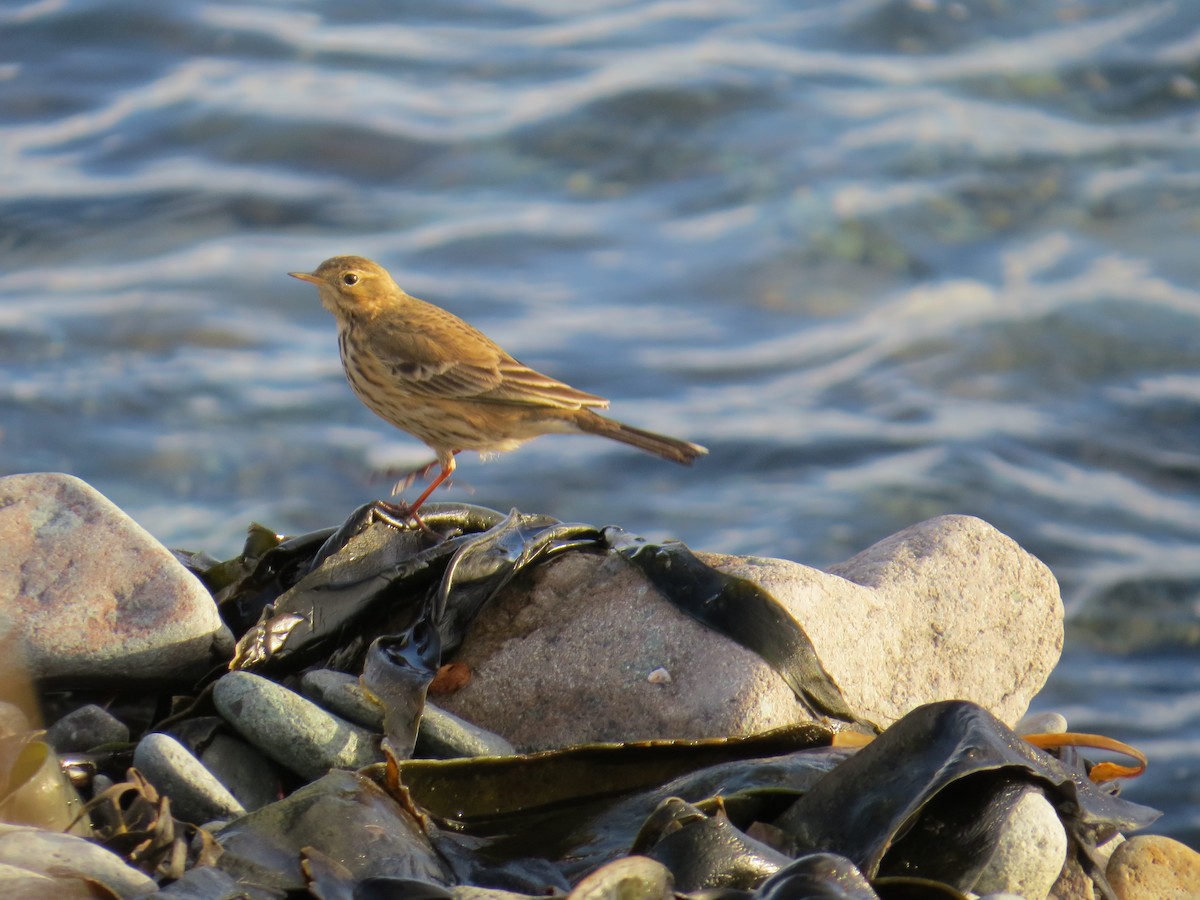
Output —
(950, 608)
(1031, 851)
(85, 728)
(196, 794)
(66, 858)
(248, 775)
(89, 597)
(1153, 867)
(292, 731)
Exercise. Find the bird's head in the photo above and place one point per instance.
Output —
(352, 285)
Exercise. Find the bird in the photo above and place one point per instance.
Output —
(430, 374)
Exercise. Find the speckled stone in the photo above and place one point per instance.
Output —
(196, 794)
(340, 692)
(1030, 853)
(443, 735)
(88, 597)
(291, 730)
(1153, 867)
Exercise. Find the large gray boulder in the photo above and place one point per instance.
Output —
(586, 649)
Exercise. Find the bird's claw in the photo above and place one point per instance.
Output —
(399, 515)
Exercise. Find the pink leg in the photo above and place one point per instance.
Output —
(408, 476)
(410, 509)
(433, 486)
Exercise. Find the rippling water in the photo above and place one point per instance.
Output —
(886, 259)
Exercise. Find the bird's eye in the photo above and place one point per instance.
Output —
(350, 279)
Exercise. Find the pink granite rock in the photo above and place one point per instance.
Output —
(87, 597)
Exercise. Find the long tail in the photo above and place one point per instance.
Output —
(658, 444)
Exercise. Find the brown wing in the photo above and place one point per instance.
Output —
(433, 353)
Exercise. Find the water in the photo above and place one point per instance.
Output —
(886, 259)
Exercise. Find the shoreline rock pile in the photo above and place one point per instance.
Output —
(508, 706)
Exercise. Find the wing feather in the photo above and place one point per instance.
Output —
(479, 369)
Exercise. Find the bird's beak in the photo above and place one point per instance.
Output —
(304, 276)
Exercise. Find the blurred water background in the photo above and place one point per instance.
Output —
(888, 259)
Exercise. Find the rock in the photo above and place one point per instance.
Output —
(1073, 882)
(292, 731)
(442, 735)
(65, 858)
(89, 597)
(1153, 867)
(1103, 852)
(950, 608)
(196, 794)
(957, 610)
(1041, 723)
(248, 775)
(340, 692)
(469, 892)
(1031, 851)
(85, 728)
(21, 884)
(630, 878)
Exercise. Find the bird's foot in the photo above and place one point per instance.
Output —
(399, 515)
(408, 511)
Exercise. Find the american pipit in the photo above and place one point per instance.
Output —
(431, 374)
